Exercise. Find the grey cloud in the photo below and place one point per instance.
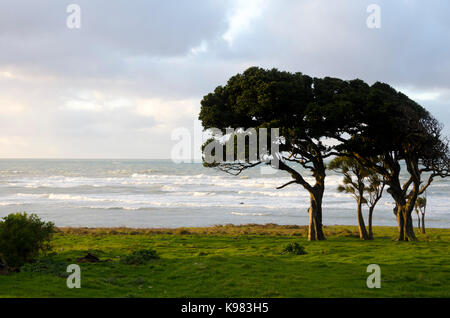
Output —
(142, 50)
(36, 36)
(324, 38)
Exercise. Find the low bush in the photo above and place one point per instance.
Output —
(23, 237)
(140, 257)
(294, 248)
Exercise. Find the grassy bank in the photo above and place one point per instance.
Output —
(239, 261)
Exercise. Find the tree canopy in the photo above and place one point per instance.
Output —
(305, 110)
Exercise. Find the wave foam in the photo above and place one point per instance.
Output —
(249, 214)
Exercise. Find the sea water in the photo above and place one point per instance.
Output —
(160, 193)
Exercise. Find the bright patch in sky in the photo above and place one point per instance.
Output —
(242, 16)
(203, 47)
(421, 95)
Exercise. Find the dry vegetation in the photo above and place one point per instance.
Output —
(228, 229)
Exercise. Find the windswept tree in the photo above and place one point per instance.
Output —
(396, 133)
(376, 125)
(374, 193)
(363, 184)
(307, 111)
(420, 207)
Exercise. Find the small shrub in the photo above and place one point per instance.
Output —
(140, 257)
(23, 237)
(294, 248)
(202, 254)
(46, 266)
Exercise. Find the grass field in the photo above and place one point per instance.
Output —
(240, 261)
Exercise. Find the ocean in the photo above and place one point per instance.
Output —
(160, 193)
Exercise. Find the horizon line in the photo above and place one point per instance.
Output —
(105, 158)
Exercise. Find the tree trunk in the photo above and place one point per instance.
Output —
(418, 222)
(370, 222)
(3, 265)
(315, 231)
(409, 226)
(405, 224)
(312, 225)
(423, 223)
(361, 225)
(403, 212)
(400, 221)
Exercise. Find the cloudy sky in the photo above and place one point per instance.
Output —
(134, 71)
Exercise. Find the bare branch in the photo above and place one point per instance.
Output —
(235, 168)
(426, 185)
(289, 183)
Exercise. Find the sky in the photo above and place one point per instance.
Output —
(134, 72)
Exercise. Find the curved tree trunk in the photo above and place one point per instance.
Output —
(361, 225)
(423, 223)
(409, 227)
(315, 231)
(370, 222)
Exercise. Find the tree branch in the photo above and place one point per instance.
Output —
(285, 185)
(426, 185)
(295, 175)
(235, 168)
(407, 184)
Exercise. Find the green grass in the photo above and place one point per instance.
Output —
(241, 261)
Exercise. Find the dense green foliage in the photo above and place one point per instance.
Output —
(23, 237)
(245, 261)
